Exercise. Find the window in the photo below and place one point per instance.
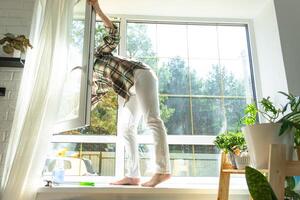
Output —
(205, 82)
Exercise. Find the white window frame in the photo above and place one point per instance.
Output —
(172, 139)
(83, 117)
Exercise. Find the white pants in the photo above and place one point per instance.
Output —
(143, 102)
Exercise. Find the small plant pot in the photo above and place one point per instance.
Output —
(242, 161)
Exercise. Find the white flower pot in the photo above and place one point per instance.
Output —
(242, 161)
(16, 54)
(259, 137)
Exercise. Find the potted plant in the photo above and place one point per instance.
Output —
(10, 43)
(297, 142)
(291, 121)
(276, 131)
(260, 188)
(233, 144)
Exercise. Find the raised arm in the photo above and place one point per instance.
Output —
(98, 10)
(112, 38)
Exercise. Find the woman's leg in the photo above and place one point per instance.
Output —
(128, 118)
(146, 86)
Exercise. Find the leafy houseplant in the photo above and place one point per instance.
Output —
(10, 43)
(260, 136)
(260, 188)
(232, 143)
(271, 113)
(258, 185)
(292, 119)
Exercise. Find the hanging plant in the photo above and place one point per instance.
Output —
(10, 43)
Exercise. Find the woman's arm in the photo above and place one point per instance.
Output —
(98, 10)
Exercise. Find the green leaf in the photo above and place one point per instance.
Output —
(284, 127)
(258, 186)
(291, 183)
(8, 49)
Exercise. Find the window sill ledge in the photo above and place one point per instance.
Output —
(106, 191)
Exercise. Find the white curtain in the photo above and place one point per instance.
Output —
(38, 101)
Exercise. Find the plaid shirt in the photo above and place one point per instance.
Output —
(112, 71)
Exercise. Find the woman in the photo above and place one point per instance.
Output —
(137, 89)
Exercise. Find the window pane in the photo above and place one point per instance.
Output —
(205, 77)
(232, 41)
(173, 76)
(70, 100)
(82, 159)
(177, 115)
(141, 40)
(186, 160)
(202, 42)
(234, 112)
(208, 116)
(171, 40)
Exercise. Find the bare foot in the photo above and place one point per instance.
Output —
(156, 179)
(127, 181)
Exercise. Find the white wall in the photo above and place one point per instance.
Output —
(270, 71)
(185, 8)
(15, 17)
(288, 18)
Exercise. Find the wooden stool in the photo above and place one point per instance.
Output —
(224, 180)
(279, 168)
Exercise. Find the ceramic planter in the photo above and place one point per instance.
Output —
(259, 137)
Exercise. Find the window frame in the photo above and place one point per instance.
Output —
(83, 117)
(172, 139)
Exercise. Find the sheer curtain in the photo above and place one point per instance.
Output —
(39, 98)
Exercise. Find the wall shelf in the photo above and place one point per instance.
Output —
(11, 62)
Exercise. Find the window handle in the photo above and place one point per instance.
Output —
(77, 67)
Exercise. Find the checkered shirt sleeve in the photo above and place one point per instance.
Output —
(110, 41)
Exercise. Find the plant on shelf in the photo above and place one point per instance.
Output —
(10, 43)
(231, 143)
(271, 113)
(281, 120)
(291, 121)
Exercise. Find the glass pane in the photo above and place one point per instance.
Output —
(141, 40)
(205, 77)
(171, 40)
(173, 76)
(234, 112)
(81, 159)
(177, 115)
(208, 117)
(232, 41)
(186, 160)
(69, 108)
(202, 42)
(104, 116)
